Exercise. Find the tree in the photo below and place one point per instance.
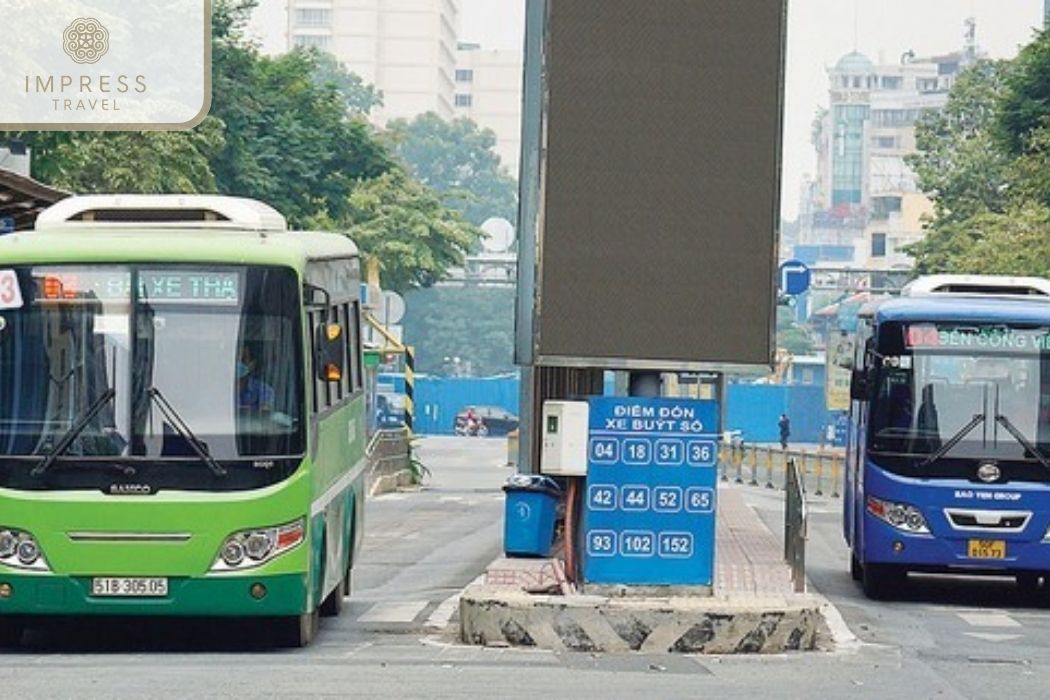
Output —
(1016, 242)
(407, 228)
(985, 160)
(148, 162)
(957, 161)
(790, 335)
(961, 166)
(1025, 104)
(358, 96)
(289, 141)
(475, 324)
(458, 159)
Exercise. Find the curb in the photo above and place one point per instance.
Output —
(495, 616)
(388, 483)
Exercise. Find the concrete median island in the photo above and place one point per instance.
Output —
(491, 615)
(526, 603)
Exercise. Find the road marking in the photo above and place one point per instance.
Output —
(989, 620)
(443, 613)
(989, 637)
(394, 612)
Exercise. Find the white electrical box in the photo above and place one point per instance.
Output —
(564, 430)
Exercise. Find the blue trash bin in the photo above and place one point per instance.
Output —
(528, 522)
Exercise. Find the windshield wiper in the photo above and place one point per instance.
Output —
(74, 431)
(955, 439)
(1019, 436)
(185, 432)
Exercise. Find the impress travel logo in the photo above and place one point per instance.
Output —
(85, 40)
(106, 65)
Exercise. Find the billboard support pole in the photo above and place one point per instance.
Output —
(645, 384)
(530, 177)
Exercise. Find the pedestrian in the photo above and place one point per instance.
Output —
(785, 430)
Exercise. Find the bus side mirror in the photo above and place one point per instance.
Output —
(328, 350)
(859, 389)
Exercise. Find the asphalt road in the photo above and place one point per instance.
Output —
(963, 639)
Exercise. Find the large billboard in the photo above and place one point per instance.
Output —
(652, 192)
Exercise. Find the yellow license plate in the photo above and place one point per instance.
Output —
(986, 549)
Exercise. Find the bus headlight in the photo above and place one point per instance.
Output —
(20, 550)
(902, 516)
(248, 549)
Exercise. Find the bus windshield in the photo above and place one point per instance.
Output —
(220, 346)
(964, 392)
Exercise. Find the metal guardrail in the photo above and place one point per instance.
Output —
(761, 465)
(388, 453)
(795, 526)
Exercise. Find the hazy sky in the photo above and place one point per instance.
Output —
(819, 32)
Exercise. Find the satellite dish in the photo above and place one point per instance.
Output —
(499, 235)
(392, 308)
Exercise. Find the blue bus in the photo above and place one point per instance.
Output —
(948, 455)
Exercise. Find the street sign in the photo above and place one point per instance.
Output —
(391, 308)
(651, 490)
(7, 224)
(795, 277)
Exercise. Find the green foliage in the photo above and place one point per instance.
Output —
(407, 228)
(289, 141)
(790, 335)
(358, 96)
(957, 160)
(475, 324)
(148, 162)
(985, 160)
(1025, 106)
(458, 159)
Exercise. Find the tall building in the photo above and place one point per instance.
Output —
(864, 195)
(406, 48)
(488, 91)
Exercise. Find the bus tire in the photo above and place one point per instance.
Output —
(347, 585)
(333, 604)
(298, 631)
(882, 581)
(11, 629)
(856, 570)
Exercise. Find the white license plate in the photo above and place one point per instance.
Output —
(122, 587)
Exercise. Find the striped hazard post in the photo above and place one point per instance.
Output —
(410, 388)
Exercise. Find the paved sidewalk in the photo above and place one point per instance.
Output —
(749, 559)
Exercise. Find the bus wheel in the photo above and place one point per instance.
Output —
(882, 581)
(333, 604)
(297, 631)
(856, 571)
(347, 586)
(11, 629)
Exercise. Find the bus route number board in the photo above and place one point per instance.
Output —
(651, 492)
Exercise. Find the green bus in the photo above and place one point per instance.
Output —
(182, 418)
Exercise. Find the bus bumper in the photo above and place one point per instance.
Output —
(884, 544)
(222, 596)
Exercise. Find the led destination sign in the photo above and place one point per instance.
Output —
(994, 338)
(154, 286)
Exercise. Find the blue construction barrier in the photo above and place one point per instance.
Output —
(753, 409)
